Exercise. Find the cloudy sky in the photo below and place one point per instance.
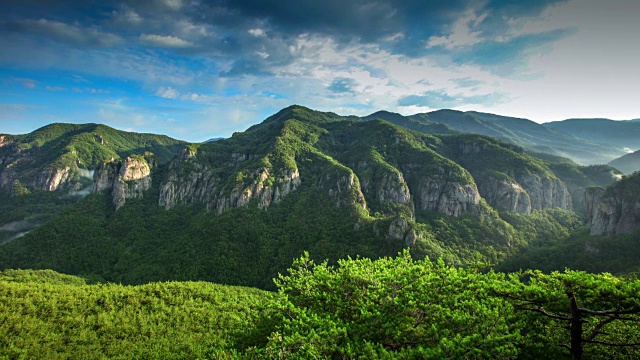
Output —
(196, 69)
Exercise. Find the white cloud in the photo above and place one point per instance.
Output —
(167, 92)
(461, 33)
(70, 34)
(257, 32)
(168, 41)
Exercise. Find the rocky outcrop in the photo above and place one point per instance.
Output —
(389, 186)
(189, 181)
(505, 195)
(31, 175)
(263, 188)
(612, 211)
(124, 179)
(545, 191)
(344, 189)
(401, 230)
(450, 198)
(52, 179)
(4, 141)
(526, 193)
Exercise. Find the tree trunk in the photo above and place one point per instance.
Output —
(576, 328)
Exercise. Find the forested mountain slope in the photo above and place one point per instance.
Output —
(63, 156)
(237, 210)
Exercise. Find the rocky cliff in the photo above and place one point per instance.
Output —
(615, 210)
(192, 181)
(506, 195)
(62, 156)
(545, 191)
(124, 179)
(507, 178)
(21, 167)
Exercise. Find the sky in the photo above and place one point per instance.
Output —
(198, 69)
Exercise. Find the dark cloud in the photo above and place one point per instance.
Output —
(343, 85)
(254, 37)
(440, 99)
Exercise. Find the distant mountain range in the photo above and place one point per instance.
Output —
(559, 138)
(628, 163)
(623, 134)
(237, 210)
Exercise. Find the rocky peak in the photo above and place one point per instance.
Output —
(124, 179)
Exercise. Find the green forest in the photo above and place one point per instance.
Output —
(390, 308)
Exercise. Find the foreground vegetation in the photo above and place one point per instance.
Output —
(387, 308)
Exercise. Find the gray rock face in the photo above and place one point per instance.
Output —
(401, 230)
(611, 213)
(506, 195)
(53, 179)
(48, 178)
(344, 189)
(450, 198)
(545, 192)
(200, 185)
(125, 180)
(390, 187)
(262, 188)
(394, 189)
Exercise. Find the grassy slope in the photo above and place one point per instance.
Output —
(49, 315)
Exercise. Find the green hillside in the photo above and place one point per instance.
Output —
(71, 151)
(47, 315)
(391, 308)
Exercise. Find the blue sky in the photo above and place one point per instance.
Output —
(196, 69)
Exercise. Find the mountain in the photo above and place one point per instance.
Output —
(427, 127)
(623, 134)
(237, 210)
(522, 132)
(628, 163)
(48, 170)
(63, 156)
(214, 139)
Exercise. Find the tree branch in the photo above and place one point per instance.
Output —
(548, 314)
(610, 312)
(611, 344)
(597, 328)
